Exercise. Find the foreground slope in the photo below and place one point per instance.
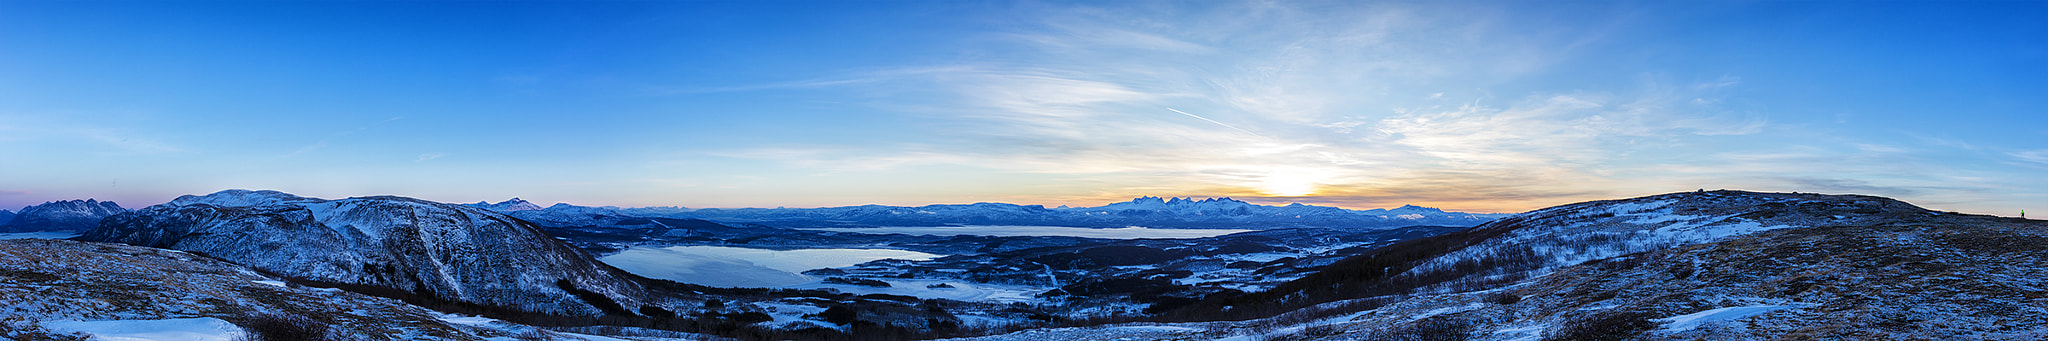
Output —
(1905, 275)
(449, 252)
(49, 284)
(1719, 265)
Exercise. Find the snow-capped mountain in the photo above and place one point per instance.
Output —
(446, 251)
(1145, 211)
(65, 215)
(513, 205)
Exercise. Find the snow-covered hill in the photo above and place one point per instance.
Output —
(1707, 265)
(1728, 265)
(62, 290)
(1145, 211)
(64, 215)
(446, 251)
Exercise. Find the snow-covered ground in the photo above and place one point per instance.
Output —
(1694, 320)
(185, 329)
(1133, 232)
(960, 291)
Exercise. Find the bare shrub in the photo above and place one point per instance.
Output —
(1602, 326)
(283, 327)
(1503, 298)
(1434, 328)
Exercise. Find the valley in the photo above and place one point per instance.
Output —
(1706, 264)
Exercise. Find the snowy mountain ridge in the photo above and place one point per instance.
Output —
(447, 251)
(1144, 211)
(62, 215)
(514, 204)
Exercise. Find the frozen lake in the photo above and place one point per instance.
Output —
(757, 268)
(742, 267)
(1133, 232)
(43, 235)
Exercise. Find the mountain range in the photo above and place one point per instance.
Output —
(63, 215)
(1144, 211)
(1704, 265)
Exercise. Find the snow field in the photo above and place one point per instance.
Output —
(185, 329)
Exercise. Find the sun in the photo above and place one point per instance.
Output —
(1289, 183)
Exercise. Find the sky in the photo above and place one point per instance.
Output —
(1480, 106)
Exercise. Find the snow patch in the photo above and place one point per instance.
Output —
(186, 329)
(1694, 320)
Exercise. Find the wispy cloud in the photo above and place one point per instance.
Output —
(303, 150)
(429, 156)
(1363, 105)
(1310, 103)
(2032, 156)
(116, 137)
(858, 78)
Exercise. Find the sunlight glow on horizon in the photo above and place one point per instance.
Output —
(1483, 106)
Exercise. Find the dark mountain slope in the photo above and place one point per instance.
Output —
(451, 252)
(50, 281)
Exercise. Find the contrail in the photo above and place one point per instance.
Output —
(1214, 121)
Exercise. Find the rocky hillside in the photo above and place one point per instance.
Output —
(1708, 265)
(66, 215)
(1941, 276)
(52, 287)
(445, 251)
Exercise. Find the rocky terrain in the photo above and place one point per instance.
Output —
(1705, 265)
(455, 258)
(1709, 265)
(54, 286)
(451, 252)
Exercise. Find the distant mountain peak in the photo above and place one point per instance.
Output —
(61, 215)
(510, 205)
(241, 198)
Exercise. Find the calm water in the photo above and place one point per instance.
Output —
(1016, 231)
(742, 267)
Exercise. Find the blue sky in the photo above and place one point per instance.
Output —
(1478, 106)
